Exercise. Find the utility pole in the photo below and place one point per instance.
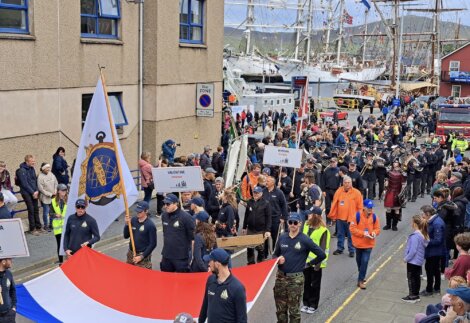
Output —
(250, 19)
(340, 36)
(299, 29)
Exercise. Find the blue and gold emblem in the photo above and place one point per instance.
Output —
(100, 180)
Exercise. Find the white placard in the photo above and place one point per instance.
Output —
(280, 156)
(12, 239)
(205, 100)
(177, 179)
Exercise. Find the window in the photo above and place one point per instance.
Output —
(454, 66)
(99, 18)
(284, 101)
(278, 102)
(14, 16)
(191, 21)
(117, 108)
(290, 100)
(455, 91)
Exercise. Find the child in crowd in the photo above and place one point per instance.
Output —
(462, 264)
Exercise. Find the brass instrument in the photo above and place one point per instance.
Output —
(341, 158)
(367, 165)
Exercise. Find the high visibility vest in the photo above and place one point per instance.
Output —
(58, 223)
(376, 137)
(316, 236)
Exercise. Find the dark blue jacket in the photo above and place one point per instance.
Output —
(8, 291)
(224, 302)
(60, 169)
(80, 229)
(168, 151)
(145, 236)
(27, 178)
(178, 234)
(437, 243)
(198, 264)
(226, 217)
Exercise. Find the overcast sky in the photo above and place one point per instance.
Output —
(235, 14)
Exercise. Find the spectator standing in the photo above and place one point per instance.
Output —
(462, 264)
(205, 159)
(6, 188)
(60, 168)
(169, 150)
(57, 214)
(218, 162)
(4, 212)
(7, 292)
(27, 181)
(47, 186)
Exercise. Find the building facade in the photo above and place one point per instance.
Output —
(51, 51)
(455, 73)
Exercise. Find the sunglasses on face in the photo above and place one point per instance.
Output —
(293, 222)
(80, 207)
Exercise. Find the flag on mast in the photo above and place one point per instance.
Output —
(366, 3)
(96, 177)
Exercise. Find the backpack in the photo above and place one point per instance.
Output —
(358, 217)
(17, 177)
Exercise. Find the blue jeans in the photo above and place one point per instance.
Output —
(362, 260)
(45, 214)
(343, 232)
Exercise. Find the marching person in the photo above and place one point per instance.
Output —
(57, 214)
(396, 182)
(204, 242)
(347, 201)
(178, 236)
(370, 175)
(145, 237)
(364, 230)
(293, 250)
(330, 182)
(7, 292)
(224, 296)
(257, 221)
(315, 228)
(279, 213)
(250, 181)
(81, 230)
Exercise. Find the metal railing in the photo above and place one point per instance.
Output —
(21, 201)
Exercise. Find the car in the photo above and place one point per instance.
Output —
(328, 115)
(437, 101)
(419, 101)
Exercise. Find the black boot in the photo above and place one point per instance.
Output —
(394, 224)
(388, 217)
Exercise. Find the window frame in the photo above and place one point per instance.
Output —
(118, 95)
(96, 16)
(189, 24)
(452, 91)
(450, 66)
(24, 8)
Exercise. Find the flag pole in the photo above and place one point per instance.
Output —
(118, 159)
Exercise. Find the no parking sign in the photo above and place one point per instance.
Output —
(205, 100)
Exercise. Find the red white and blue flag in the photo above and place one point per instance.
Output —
(93, 287)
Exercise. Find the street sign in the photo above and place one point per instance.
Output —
(12, 239)
(396, 102)
(177, 179)
(205, 100)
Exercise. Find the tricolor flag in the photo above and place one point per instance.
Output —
(93, 287)
(101, 175)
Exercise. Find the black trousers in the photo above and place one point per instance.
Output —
(312, 287)
(275, 221)
(416, 187)
(433, 273)
(413, 273)
(381, 181)
(424, 182)
(175, 265)
(8, 317)
(250, 252)
(33, 211)
(370, 189)
(57, 239)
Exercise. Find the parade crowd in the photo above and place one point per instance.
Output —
(345, 173)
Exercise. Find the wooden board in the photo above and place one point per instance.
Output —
(240, 241)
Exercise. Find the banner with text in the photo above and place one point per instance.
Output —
(177, 179)
(280, 156)
(12, 239)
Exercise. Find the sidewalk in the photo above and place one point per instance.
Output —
(43, 248)
(381, 301)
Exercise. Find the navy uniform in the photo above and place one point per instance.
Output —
(80, 229)
(356, 178)
(426, 181)
(7, 294)
(289, 284)
(145, 238)
(330, 181)
(178, 235)
(278, 204)
(370, 176)
(223, 301)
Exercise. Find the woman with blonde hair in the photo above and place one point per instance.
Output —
(441, 179)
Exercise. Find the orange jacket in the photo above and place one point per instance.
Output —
(245, 188)
(345, 204)
(357, 230)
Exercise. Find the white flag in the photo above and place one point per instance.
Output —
(96, 176)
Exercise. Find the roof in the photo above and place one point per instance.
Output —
(455, 51)
(415, 86)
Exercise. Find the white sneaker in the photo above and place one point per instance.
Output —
(443, 277)
(311, 310)
(304, 309)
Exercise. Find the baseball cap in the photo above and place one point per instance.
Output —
(295, 217)
(61, 187)
(210, 170)
(198, 201)
(219, 180)
(142, 206)
(343, 169)
(80, 202)
(258, 189)
(462, 292)
(219, 255)
(266, 170)
(457, 174)
(170, 199)
(368, 204)
(315, 210)
(183, 318)
(202, 216)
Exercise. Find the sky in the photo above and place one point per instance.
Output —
(235, 14)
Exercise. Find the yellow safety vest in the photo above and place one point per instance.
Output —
(462, 145)
(316, 236)
(58, 223)
(376, 137)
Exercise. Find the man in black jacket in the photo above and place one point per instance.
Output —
(257, 221)
(7, 292)
(27, 180)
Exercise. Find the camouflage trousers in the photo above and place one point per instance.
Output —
(144, 263)
(287, 295)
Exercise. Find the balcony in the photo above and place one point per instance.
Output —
(455, 77)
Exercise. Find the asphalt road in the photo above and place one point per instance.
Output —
(339, 278)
